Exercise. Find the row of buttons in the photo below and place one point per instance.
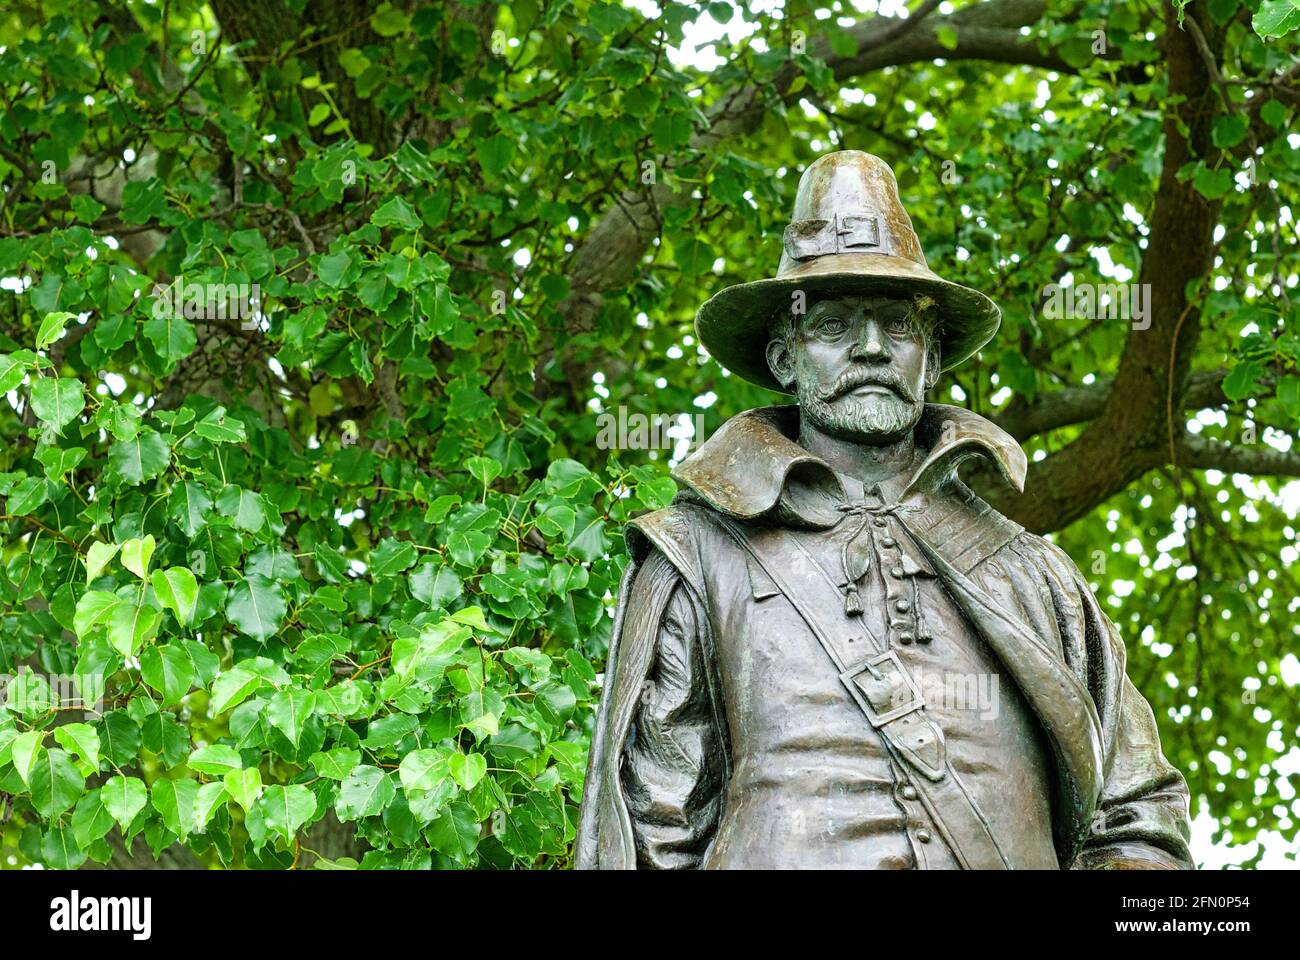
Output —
(899, 628)
(908, 792)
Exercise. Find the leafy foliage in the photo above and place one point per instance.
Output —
(349, 556)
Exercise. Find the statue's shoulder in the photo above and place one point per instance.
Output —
(680, 531)
(959, 526)
(1044, 555)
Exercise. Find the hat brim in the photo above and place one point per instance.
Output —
(733, 323)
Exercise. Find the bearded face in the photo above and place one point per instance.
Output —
(860, 367)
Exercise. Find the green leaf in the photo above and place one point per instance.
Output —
(389, 21)
(57, 402)
(1276, 18)
(87, 209)
(169, 670)
(141, 458)
(61, 850)
(425, 769)
(396, 213)
(94, 607)
(83, 740)
(435, 584)
(119, 737)
(231, 689)
(365, 793)
(52, 328)
(288, 711)
(177, 590)
(243, 507)
(216, 760)
(143, 200)
(1229, 131)
(136, 554)
(694, 256)
(1274, 114)
(206, 802)
(1212, 184)
(430, 651)
(24, 751)
(334, 268)
(58, 461)
(12, 371)
(188, 507)
(285, 810)
(131, 625)
(90, 820)
(436, 303)
(483, 469)
(470, 616)
(123, 798)
(172, 336)
(947, 37)
(55, 785)
(392, 556)
(26, 496)
(175, 800)
(455, 833)
(1288, 394)
(244, 786)
(98, 557)
(256, 606)
(1241, 380)
(218, 427)
(468, 769)
(336, 764)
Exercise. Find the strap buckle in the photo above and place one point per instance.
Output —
(883, 688)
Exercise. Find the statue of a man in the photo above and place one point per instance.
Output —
(828, 651)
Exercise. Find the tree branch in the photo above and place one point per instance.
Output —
(1256, 459)
(1079, 404)
(1131, 434)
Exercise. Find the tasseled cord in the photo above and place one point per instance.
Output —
(852, 599)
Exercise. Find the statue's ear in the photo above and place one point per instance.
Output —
(780, 361)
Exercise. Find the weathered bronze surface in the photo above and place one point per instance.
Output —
(828, 652)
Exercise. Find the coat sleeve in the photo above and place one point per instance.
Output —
(1141, 821)
(671, 773)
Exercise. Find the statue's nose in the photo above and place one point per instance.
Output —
(870, 345)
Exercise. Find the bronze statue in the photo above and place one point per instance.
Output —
(828, 652)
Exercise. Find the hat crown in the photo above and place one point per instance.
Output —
(847, 203)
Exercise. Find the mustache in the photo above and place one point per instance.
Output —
(856, 377)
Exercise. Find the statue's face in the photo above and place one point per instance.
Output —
(860, 367)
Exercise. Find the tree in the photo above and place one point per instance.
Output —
(310, 312)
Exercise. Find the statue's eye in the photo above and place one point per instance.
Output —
(831, 327)
(899, 326)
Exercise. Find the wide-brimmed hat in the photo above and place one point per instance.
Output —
(849, 234)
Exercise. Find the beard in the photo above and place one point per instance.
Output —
(876, 418)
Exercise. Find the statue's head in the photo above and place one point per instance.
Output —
(860, 365)
(852, 260)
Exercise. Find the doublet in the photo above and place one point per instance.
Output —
(727, 738)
